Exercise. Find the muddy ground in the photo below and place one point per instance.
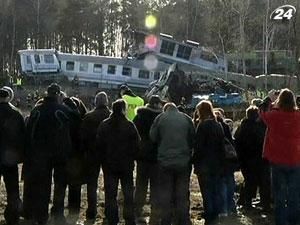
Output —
(253, 217)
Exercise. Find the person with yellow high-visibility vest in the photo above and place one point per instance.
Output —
(19, 83)
(133, 101)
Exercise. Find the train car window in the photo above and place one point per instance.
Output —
(184, 52)
(209, 57)
(83, 67)
(37, 58)
(156, 75)
(70, 66)
(49, 59)
(167, 47)
(97, 68)
(144, 74)
(126, 71)
(111, 69)
(28, 59)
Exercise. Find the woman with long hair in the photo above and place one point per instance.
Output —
(208, 159)
(282, 149)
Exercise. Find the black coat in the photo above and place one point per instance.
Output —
(117, 140)
(88, 132)
(143, 121)
(249, 139)
(48, 131)
(75, 123)
(12, 135)
(209, 157)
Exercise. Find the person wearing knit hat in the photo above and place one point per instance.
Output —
(88, 132)
(50, 130)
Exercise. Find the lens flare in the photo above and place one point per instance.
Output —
(151, 41)
(150, 62)
(150, 22)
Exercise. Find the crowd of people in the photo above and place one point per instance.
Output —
(61, 141)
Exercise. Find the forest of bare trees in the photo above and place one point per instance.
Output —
(99, 26)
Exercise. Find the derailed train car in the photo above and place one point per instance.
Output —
(109, 72)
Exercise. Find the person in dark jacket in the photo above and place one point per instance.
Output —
(73, 166)
(173, 132)
(90, 123)
(249, 139)
(209, 159)
(117, 141)
(12, 142)
(49, 147)
(228, 182)
(147, 159)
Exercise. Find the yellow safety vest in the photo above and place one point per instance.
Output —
(133, 103)
(19, 81)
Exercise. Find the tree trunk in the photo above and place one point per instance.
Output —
(242, 40)
(13, 39)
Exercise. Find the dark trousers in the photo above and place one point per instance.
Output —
(37, 189)
(227, 193)
(248, 191)
(211, 190)
(256, 176)
(111, 182)
(74, 198)
(92, 186)
(286, 191)
(11, 179)
(174, 188)
(147, 172)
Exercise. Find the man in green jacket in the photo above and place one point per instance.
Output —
(174, 132)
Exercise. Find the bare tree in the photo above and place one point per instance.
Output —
(241, 8)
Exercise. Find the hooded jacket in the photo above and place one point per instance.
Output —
(143, 121)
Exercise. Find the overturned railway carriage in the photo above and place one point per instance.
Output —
(108, 72)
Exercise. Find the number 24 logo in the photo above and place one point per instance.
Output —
(285, 12)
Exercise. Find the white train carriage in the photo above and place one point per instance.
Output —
(39, 61)
(110, 71)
